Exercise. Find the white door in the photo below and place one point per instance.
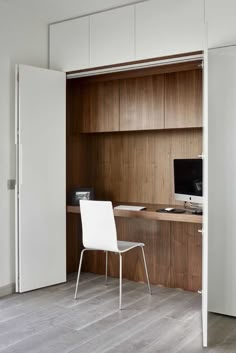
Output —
(222, 180)
(40, 189)
(205, 208)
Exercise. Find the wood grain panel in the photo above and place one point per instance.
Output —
(142, 103)
(173, 252)
(77, 175)
(183, 99)
(155, 235)
(136, 99)
(138, 166)
(186, 256)
(99, 106)
(150, 213)
(133, 166)
(77, 146)
(73, 242)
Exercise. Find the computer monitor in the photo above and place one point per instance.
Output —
(188, 180)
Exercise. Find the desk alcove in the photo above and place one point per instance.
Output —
(123, 131)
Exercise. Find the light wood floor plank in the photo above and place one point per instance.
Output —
(49, 320)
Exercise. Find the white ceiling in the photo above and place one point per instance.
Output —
(58, 10)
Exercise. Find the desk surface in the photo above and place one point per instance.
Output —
(150, 213)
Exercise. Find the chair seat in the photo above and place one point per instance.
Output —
(127, 245)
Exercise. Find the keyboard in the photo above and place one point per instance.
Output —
(129, 208)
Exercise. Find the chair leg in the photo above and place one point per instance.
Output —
(79, 270)
(106, 267)
(120, 301)
(145, 266)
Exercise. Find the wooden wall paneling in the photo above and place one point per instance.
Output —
(142, 103)
(138, 166)
(183, 99)
(77, 145)
(133, 166)
(186, 256)
(173, 252)
(77, 175)
(106, 165)
(155, 235)
(94, 261)
(182, 144)
(73, 242)
(78, 162)
(75, 95)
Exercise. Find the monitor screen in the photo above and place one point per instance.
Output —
(188, 178)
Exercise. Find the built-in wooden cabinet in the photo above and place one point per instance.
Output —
(142, 103)
(118, 144)
(98, 106)
(146, 99)
(183, 99)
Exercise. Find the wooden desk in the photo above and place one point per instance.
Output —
(173, 246)
(150, 213)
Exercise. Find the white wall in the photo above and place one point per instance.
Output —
(24, 40)
(220, 15)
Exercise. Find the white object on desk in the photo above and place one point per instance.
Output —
(129, 208)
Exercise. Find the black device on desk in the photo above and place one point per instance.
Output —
(171, 210)
(198, 212)
(78, 194)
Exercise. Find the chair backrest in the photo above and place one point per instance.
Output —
(98, 225)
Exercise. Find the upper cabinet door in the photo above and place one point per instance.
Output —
(96, 106)
(142, 103)
(183, 99)
(69, 45)
(220, 16)
(112, 37)
(167, 27)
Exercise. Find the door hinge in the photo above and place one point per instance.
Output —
(201, 65)
(201, 156)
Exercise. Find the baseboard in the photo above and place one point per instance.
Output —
(6, 290)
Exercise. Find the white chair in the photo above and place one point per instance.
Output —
(99, 233)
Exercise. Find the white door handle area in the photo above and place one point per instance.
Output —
(20, 164)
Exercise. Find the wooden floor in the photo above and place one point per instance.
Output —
(50, 320)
